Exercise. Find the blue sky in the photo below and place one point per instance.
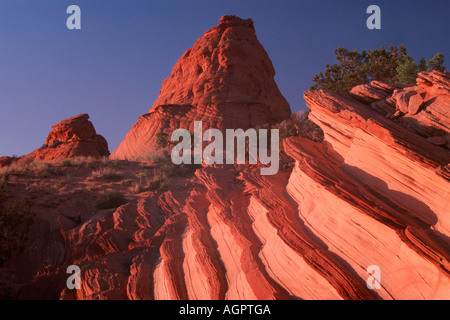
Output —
(113, 67)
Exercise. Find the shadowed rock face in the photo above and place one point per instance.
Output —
(72, 137)
(226, 80)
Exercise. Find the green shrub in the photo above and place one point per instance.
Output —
(4, 178)
(44, 174)
(137, 187)
(107, 174)
(66, 163)
(169, 169)
(55, 144)
(15, 221)
(392, 65)
(158, 182)
(105, 161)
(160, 157)
(162, 139)
(110, 200)
(299, 125)
(127, 182)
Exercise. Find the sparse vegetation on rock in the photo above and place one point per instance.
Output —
(66, 163)
(106, 173)
(16, 219)
(393, 65)
(162, 139)
(299, 125)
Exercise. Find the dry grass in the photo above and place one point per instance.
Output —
(46, 169)
(81, 161)
(156, 183)
(105, 161)
(155, 157)
(106, 174)
(65, 162)
(26, 167)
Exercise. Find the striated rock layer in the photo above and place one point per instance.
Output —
(393, 153)
(375, 192)
(226, 80)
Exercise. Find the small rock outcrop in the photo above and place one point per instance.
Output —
(72, 137)
(421, 109)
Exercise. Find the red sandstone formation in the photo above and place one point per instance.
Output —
(226, 80)
(72, 137)
(375, 192)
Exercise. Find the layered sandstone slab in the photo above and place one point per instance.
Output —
(394, 154)
(306, 233)
(226, 80)
(374, 193)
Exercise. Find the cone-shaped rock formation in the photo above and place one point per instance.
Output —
(226, 80)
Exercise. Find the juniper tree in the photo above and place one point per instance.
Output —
(393, 65)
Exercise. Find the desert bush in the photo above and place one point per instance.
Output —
(142, 174)
(65, 163)
(169, 169)
(299, 125)
(15, 168)
(4, 179)
(15, 221)
(55, 144)
(127, 182)
(157, 182)
(162, 139)
(157, 157)
(31, 168)
(307, 128)
(44, 174)
(106, 174)
(44, 170)
(110, 200)
(83, 161)
(137, 187)
(104, 161)
(392, 65)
